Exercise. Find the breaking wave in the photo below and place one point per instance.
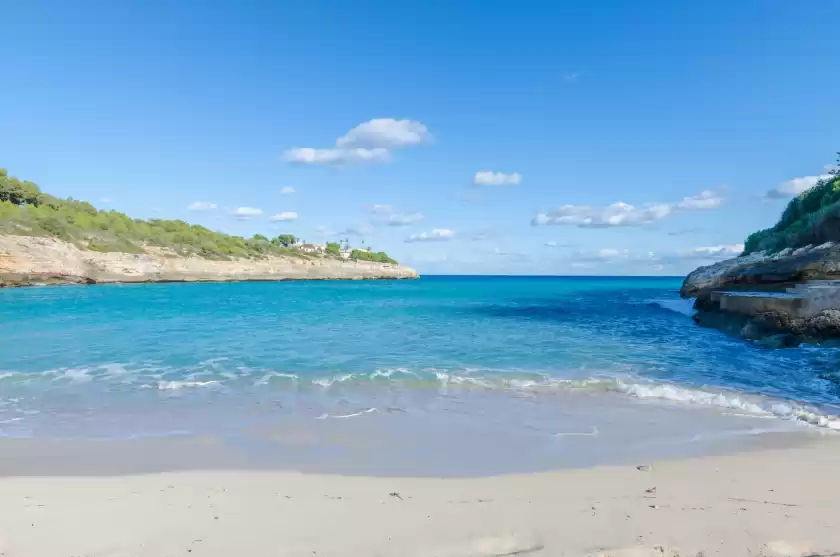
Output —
(239, 379)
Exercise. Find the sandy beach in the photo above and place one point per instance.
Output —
(778, 502)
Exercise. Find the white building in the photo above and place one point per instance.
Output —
(312, 248)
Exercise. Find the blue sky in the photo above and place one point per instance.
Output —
(687, 113)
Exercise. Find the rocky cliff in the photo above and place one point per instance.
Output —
(26, 260)
(767, 297)
(763, 270)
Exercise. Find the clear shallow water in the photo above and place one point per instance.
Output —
(560, 366)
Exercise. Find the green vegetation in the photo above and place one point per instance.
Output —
(812, 217)
(333, 248)
(380, 257)
(284, 240)
(25, 210)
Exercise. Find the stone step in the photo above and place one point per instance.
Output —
(815, 286)
(822, 282)
(805, 288)
(754, 303)
(718, 295)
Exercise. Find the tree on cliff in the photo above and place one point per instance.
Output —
(19, 192)
(812, 217)
(333, 248)
(285, 240)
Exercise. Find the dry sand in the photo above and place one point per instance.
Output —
(776, 502)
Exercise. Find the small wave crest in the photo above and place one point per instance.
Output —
(326, 416)
(684, 307)
(177, 385)
(751, 404)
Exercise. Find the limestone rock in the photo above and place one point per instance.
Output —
(762, 269)
(805, 274)
(28, 260)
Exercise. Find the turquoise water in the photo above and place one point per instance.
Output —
(529, 356)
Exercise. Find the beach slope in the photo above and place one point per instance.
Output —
(771, 503)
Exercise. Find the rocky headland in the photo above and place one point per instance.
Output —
(29, 260)
(779, 299)
(785, 288)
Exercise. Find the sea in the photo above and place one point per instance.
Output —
(443, 376)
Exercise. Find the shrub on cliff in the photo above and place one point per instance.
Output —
(812, 217)
(379, 257)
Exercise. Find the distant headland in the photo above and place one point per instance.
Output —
(48, 240)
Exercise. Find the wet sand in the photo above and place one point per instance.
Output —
(780, 501)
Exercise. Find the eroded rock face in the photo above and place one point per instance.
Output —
(764, 272)
(28, 260)
(776, 330)
(820, 262)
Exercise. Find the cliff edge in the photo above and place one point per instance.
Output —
(764, 270)
(27, 260)
(781, 299)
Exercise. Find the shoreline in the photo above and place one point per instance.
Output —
(207, 453)
(5, 282)
(774, 502)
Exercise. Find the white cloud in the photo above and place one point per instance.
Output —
(794, 187)
(106, 200)
(284, 216)
(244, 213)
(623, 214)
(385, 133)
(404, 219)
(436, 235)
(569, 77)
(610, 254)
(702, 253)
(370, 141)
(706, 199)
(553, 244)
(617, 214)
(288, 190)
(381, 209)
(201, 206)
(727, 250)
(308, 155)
(489, 178)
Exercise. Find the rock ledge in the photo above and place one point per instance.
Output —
(780, 300)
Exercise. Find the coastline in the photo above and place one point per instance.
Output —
(774, 502)
(27, 261)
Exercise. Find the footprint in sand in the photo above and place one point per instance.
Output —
(783, 548)
(489, 547)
